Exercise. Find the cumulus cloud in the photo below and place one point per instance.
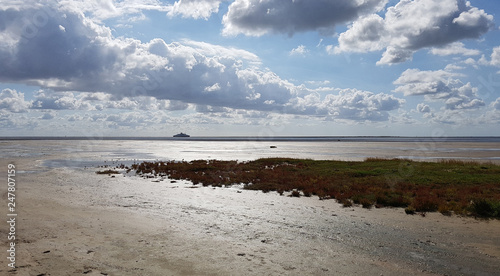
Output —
(423, 108)
(101, 10)
(102, 71)
(439, 85)
(50, 100)
(434, 83)
(13, 101)
(132, 10)
(195, 8)
(41, 50)
(9, 120)
(456, 48)
(495, 57)
(256, 18)
(353, 104)
(87, 58)
(412, 25)
(48, 116)
(347, 104)
(55, 101)
(301, 50)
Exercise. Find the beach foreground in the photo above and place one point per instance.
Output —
(72, 221)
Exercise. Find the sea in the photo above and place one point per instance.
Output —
(86, 151)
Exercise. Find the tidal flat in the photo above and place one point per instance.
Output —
(73, 221)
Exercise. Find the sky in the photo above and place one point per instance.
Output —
(250, 68)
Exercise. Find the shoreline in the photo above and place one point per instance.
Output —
(421, 139)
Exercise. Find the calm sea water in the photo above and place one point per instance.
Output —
(87, 151)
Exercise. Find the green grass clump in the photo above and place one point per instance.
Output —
(465, 188)
(485, 208)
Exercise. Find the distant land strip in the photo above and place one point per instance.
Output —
(491, 139)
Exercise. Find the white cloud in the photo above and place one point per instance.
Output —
(416, 82)
(365, 34)
(100, 10)
(456, 48)
(55, 101)
(16, 122)
(301, 50)
(473, 17)
(496, 104)
(361, 105)
(256, 17)
(439, 85)
(413, 25)
(13, 101)
(465, 98)
(319, 83)
(195, 8)
(453, 67)
(215, 87)
(132, 10)
(495, 57)
(423, 108)
(48, 116)
(222, 52)
(348, 104)
(395, 55)
(471, 62)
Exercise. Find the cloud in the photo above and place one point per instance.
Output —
(48, 116)
(50, 100)
(41, 50)
(495, 57)
(16, 121)
(465, 97)
(87, 58)
(132, 10)
(347, 104)
(100, 10)
(423, 108)
(455, 48)
(358, 105)
(256, 18)
(439, 85)
(414, 82)
(496, 104)
(55, 101)
(194, 8)
(13, 101)
(301, 50)
(413, 25)
(102, 71)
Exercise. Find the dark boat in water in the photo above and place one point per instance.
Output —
(181, 135)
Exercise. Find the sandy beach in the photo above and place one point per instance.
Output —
(72, 221)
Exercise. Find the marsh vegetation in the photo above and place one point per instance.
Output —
(450, 187)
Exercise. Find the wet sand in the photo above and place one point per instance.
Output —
(72, 221)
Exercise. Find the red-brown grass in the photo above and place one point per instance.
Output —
(447, 186)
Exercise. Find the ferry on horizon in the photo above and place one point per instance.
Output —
(181, 135)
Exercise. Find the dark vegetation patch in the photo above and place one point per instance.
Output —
(464, 188)
(108, 172)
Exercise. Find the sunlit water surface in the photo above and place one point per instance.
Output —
(74, 153)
